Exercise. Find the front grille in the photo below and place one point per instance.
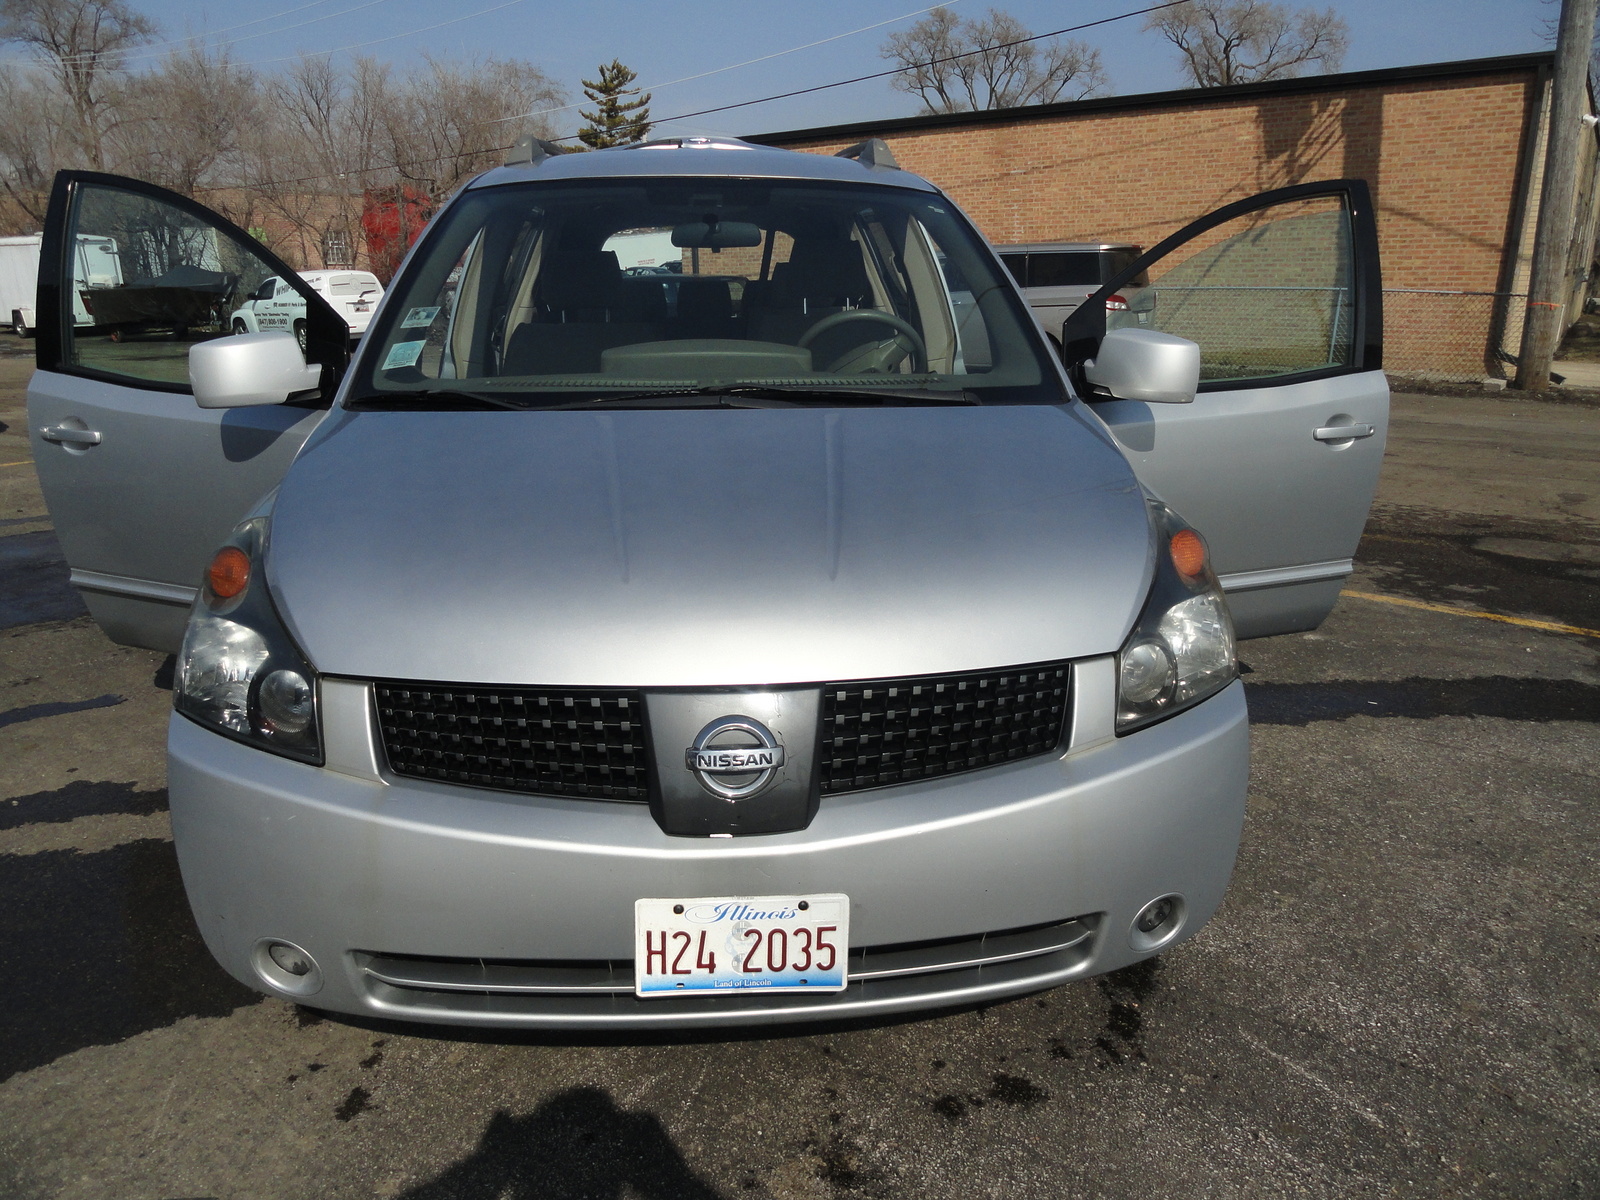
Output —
(883, 731)
(545, 741)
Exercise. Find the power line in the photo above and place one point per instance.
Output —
(149, 50)
(822, 87)
(656, 87)
(440, 158)
(264, 33)
(261, 62)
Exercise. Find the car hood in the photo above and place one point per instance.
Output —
(707, 547)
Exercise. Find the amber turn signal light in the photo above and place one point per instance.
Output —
(229, 572)
(1188, 552)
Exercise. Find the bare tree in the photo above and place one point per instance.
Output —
(452, 120)
(82, 45)
(181, 125)
(34, 142)
(955, 65)
(1245, 41)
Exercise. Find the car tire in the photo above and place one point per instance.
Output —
(300, 335)
(19, 326)
(240, 327)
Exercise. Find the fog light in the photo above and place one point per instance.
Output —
(296, 961)
(1158, 923)
(285, 967)
(1153, 916)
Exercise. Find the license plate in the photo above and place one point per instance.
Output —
(731, 943)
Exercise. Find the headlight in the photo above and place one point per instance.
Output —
(239, 671)
(1181, 649)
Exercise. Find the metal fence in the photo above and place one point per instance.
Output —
(1451, 336)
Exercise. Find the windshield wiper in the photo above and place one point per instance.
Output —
(434, 398)
(766, 395)
(730, 395)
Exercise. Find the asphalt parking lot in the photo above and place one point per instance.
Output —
(1397, 999)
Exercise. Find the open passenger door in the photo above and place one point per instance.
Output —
(143, 484)
(1275, 460)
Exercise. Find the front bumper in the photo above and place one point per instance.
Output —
(440, 886)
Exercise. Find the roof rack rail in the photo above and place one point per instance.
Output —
(874, 152)
(531, 151)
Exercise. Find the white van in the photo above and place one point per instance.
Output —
(277, 306)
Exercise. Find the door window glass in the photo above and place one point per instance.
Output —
(165, 279)
(1269, 293)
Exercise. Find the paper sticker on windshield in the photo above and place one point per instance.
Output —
(403, 354)
(420, 318)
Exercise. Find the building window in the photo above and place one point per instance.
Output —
(336, 249)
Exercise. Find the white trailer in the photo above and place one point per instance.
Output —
(96, 264)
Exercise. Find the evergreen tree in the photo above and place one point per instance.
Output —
(617, 121)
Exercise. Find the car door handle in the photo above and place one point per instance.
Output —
(70, 436)
(1342, 433)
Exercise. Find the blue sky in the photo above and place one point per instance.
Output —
(668, 42)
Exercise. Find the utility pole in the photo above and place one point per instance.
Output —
(1552, 239)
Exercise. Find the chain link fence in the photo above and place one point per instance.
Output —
(1451, 336)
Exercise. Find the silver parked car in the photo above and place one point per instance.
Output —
(806, 639)
(1056, 277)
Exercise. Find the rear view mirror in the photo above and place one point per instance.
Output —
(250, 369)
(1145, 364)
(716, 235)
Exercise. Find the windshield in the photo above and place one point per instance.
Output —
(557, 293)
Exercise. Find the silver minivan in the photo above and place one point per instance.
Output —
(1056, 277)
(793, 635)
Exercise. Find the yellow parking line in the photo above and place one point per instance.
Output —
(26, 462)
(1525, 622)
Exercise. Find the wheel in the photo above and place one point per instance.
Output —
(300, 335)
(880, 356)
(240, 327)
(19, 326)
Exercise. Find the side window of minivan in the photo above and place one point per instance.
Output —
(1064, 268)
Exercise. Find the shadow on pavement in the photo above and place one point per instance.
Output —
(578, 1144)
(96, 948)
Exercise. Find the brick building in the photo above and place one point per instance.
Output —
(1454, 153)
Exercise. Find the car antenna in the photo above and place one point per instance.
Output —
(874, 152)
(531, 151)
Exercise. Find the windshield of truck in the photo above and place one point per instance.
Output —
(559, 293)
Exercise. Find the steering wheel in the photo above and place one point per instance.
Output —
(880, 356)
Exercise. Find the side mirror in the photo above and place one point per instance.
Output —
(1145, 364)
(250, 369)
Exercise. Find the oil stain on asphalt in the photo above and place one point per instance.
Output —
(1545, 569)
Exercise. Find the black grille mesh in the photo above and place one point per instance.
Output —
(541, 740)
(885, 731)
